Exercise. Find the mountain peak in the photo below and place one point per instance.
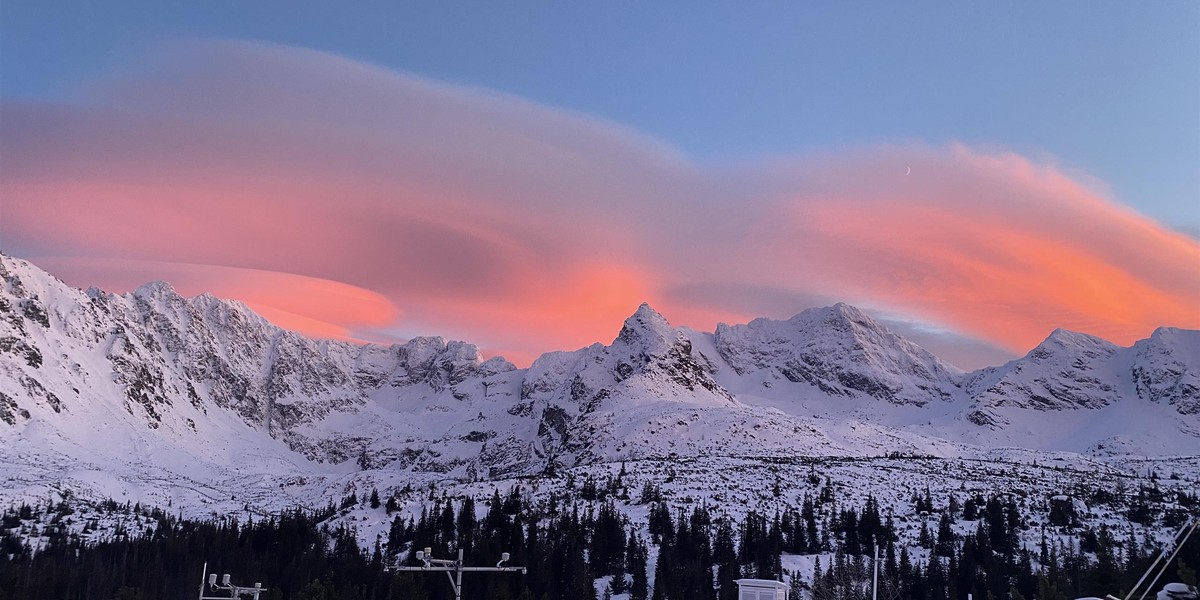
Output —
(1061, 340)
(1065, 371)
(647, 327)
(840, 317)
(645, 311)
(1166, 368)
(1172, 333)
(841, 310)
(845, 309)
(154, 289)
(841, 351)
(1067, 336)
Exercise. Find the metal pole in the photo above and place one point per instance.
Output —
(875, 575)
(1178, 545)
(1153, 565)
(1163, 555)
(203, 577)
(459, 565)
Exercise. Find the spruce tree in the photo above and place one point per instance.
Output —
(726, 559)
(639, 587)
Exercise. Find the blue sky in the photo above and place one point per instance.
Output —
(963, 170)
(1108, 88)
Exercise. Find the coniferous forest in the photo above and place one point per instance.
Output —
(680, 552)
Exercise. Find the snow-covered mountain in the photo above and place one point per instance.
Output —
(146, 390)
(1066, 371)
(841, 351)
(1165, 368)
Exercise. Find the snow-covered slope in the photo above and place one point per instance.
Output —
(1166, 368)
(841, 351)
(1079, 392)
(201, 400)
(1068, 370)
(211, 382)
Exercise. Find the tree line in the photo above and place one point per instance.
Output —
(577, 549)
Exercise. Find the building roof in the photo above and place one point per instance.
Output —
(765, 583)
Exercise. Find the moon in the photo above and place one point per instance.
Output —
(908, 171)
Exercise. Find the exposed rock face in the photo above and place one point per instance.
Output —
(581, 394)
(157, 352)
(649, 347)
(1068, 370)
(1166, 368)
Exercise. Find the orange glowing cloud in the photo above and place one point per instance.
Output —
(348, 201)
(993, 246)
(317, 307)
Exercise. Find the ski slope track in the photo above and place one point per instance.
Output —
(201, 404)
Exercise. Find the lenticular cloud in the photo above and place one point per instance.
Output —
(396, 205)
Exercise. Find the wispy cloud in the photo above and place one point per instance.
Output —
(395, 206)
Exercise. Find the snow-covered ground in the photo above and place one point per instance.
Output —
(201, 405)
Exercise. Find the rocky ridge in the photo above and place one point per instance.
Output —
(151, 374)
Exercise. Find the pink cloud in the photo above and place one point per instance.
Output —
(318, 307)
(993, 245)
(349, 201)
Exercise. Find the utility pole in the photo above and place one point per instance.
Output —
(454, 569)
